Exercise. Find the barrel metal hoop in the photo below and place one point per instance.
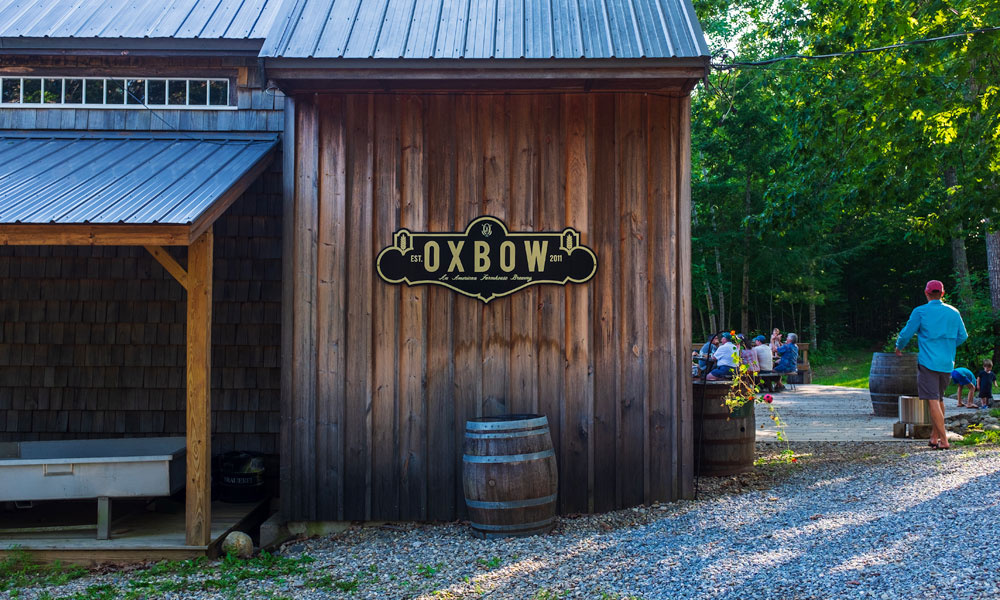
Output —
(501, 436)
(517, 527)
(511, 503)
(508, 458)
(515, 425)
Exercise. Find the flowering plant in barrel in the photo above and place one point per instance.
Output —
(744, 390)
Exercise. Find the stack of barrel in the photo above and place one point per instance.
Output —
(891, 376)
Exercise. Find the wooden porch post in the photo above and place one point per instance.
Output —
(198, 515)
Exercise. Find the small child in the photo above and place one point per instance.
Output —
(986, 380)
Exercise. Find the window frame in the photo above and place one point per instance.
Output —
(127, 103)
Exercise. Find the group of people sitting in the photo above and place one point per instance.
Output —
(722, 354)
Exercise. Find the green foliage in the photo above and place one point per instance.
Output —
(979, 438)
(492, 563)
(840, 183)
(18, 570)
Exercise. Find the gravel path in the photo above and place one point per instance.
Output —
(847, 520)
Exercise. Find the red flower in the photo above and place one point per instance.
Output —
(795, 459)
(768, 398)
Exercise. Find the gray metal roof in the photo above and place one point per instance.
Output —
(76, 177)
(487, 29)
(175, 19)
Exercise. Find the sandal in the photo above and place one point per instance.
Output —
(932, 445)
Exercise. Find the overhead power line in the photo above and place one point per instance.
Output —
(770, 61)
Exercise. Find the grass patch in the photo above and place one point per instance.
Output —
(17, 571)
(844, 368)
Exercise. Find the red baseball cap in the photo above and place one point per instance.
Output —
(934, 286)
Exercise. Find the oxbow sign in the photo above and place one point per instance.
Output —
(486, 261)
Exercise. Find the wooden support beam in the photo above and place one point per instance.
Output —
(102, 234)
(168, 262)
(198, 518)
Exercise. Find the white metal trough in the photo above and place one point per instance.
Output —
(83, 469)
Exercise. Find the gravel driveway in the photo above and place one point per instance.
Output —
(847, 520)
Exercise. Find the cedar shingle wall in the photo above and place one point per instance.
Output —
(92, 338)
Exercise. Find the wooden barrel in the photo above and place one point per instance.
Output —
(891, 376)
(509, 475)
(724, 441)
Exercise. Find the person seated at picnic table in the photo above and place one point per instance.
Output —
(964, 377)
(725, 359)
(788, 355)
(706, 352)
(765, 358)
(747, 355)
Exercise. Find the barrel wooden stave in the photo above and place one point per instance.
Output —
(510, 476)
(890, 377)
(725, 441)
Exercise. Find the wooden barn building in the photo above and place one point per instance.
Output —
(195, 201)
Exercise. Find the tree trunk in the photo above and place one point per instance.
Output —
(960, 260)
(711, 309)
(993, 266)
(814, 335)
(745, 297)
(722, 295)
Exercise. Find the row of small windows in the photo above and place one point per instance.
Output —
(173, 93)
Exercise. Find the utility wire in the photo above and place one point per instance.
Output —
(769, 61)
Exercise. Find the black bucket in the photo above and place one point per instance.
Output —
(241, 476)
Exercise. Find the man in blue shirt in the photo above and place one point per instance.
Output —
(940, 330)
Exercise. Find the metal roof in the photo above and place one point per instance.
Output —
(487, 29)
(137, 19)
(136, 179)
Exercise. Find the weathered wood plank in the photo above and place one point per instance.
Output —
(682, 267)
(493, 122)
(606, 292)
(551, 299)
(304, 255)
(443, 440)
(468, 383)
(413, 319)
(358, 469)
(198, 493)
(662, 375)
(632, 439)
(331, 264)
(287, 383)
(385, 422)
(522, 216)
(576, 447)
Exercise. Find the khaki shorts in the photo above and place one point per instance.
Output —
(931, 384)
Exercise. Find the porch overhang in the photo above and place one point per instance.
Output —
(152, 190)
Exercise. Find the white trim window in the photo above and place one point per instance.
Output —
(114, 92)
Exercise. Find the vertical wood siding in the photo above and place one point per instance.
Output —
(381, 378)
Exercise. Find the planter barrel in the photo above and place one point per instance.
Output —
(724, 441)
(891, 376)
(509, 475)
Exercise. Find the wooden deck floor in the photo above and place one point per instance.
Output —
(66, 531)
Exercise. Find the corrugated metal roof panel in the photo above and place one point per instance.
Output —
(183, 19)
(77, 177)
(488, 29)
